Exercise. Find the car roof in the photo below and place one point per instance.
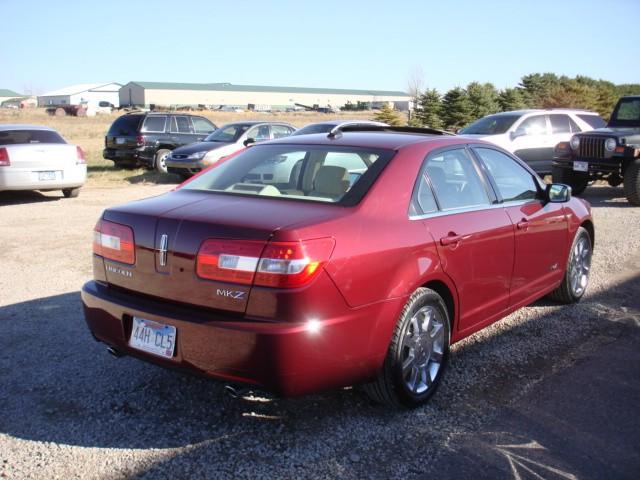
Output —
(541, 110)
(21, 126)
(380, 139)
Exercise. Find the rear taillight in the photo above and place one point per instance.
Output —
(114, 242)
(81, 156)
(4, 158)
(276, 264)
(140, 141)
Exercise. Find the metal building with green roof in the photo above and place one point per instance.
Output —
(145, 94)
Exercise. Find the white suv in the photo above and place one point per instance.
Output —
(533, 134)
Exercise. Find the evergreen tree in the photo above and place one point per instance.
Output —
(428, 113)
(388, 115)
(483, 98)
(535, 88)
(511, 99)
(456, 109)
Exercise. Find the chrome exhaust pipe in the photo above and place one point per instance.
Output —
(115, 352)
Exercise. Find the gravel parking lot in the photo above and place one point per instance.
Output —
(70, 410)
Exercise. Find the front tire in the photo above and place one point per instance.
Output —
(576, 276)
(161, 158)
(71, 192)
(578, 181)
(631, 183)
(418, 353)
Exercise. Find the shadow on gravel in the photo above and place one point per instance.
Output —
(154, 177)
(22, 198)
(605, 196)
(59, 385)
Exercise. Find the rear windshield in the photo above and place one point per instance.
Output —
(22, 137)
(125, 125)
(491, 125)
(301, 172)
(593, 120)
(626, 113)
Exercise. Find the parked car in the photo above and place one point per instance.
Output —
(146, 139)
(190, 159)
(378, 251)
(33, 157)
(611, 153)
(533, 134)
(326, 127)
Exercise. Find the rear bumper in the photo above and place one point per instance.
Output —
(12, 178)
(285, 358)
(141, 155)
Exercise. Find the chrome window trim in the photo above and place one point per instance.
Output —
(478, 208)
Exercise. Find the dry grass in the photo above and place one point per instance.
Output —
(89, 132)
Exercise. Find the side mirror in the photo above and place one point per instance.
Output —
(249, 141)
(518, 132)
(558, 193)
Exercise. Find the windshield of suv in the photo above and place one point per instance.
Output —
(228, 133)
(126, 125)
(24, 137)
(491, 125)
(626, 113)
(302, 172)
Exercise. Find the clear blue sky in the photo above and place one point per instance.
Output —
(371, 44)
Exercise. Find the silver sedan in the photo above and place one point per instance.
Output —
(33, 157)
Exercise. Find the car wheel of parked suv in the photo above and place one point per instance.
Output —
(576, 277)
(578, 181)
(631, 182)
(417, 355)
(161, 160)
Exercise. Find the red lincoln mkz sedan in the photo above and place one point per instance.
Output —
(319, 261)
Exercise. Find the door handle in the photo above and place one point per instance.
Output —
(523, 224)
(451, 239)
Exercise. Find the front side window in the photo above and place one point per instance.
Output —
(314, 173)
(183, 125)
(513, 181)
(280, 131)
(154, 124)
(536, 125)
(202, 125)
(455, 180)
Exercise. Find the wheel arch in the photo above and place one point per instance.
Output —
(588, 226)
(444, 290)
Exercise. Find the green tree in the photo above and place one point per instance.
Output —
(428, 113)
(483, 99)
(511, 99)
(536, 87)
(388, 115)
(456, 109)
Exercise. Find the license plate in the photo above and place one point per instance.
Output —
(581, 166)
(153, 337)
(44, 176)
(120, 141)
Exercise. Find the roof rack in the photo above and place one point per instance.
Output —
(337, 131)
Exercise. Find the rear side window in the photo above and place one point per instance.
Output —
(26, 137)
(593, 120)
(513, 181)
(126, 125)
(314, 173)
(154, 124)
(181, 125)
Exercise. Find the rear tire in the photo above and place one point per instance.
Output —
(631, 183)
(576, 275)
(417, 355)
(578, 181)
(71, 192)
(161, 158)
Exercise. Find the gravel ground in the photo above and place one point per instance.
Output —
(69, 410)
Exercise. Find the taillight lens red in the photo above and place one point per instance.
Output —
(114, 242)
(140, 141)
(276, 264)
(81, 156)
(4, 158)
